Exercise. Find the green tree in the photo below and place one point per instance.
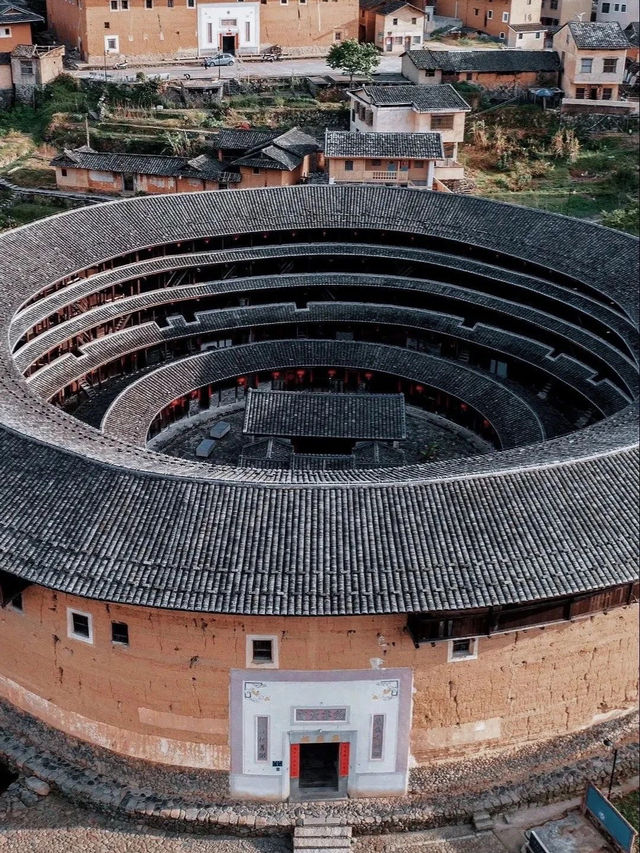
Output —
(353, 58)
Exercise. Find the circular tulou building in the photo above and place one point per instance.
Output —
(305, 487)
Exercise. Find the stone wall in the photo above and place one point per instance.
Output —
(165, 696)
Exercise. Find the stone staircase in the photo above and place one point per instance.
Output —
(321, 835)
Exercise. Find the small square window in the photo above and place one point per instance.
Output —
(79, 625)
(170, 4)
(537, 35)
(606, 8)
(5, 32)
(519, 36)
(113, 5)
(337, 36)
(107, 25)
(586, 65)
(466, 649)
(501, 36)
(124, 5)
(610, 66)
(63, 172)
(348, 165)
(414, 21)
(395, 22)
(490, 14)
(120, 633)
(148, 4)
(191, 4)
(505, 17)
(255, 170)
(262, 651)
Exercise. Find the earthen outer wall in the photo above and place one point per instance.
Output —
(165, 697)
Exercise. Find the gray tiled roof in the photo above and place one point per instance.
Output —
(140, 164)
(488, 61)
(344, 143)
(325, 415)
(14, 14)
(598, 36)
(423, 98)
(528, 28)
(231, 139)
(392, 6)
(531, 522)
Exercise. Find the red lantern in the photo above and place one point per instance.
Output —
(368, 376)
(419, 388)
(463, 407)
(332, 373)
(300, 373)
(486, 424)
(275, 374)
(242, 380)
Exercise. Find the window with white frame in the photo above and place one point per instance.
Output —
(609, 66)
(111, 44)
(262, 651)
(191, 4)
(586, 65)
(501, 36)
(505, 17)
(490, 14)
(79, 625)
(5, 32)
(466, 649)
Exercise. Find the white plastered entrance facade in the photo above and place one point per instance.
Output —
(229, 28)
(287, 725)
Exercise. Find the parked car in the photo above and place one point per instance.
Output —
(220, 59)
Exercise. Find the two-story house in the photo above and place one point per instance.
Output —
(396, 159)
(412, 109)
(514, 70)
(23, 65)
(492, 17)
(593, 60)
(393, 25)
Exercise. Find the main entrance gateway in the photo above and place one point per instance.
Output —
(317, 734)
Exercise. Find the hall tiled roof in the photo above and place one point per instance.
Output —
(345, 143)
(325, 415)
(203, 166)
(598, 35)
(423, 99)
(531, 522)
(487, 61)
(392, 6)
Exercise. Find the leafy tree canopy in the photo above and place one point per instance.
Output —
(352, 57)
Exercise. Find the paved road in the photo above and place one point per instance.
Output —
(241, 70)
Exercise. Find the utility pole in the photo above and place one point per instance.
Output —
(609, 743)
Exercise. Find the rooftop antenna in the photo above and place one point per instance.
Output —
(580, 16)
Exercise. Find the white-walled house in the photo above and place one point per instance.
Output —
(411, 109)
(623, 12)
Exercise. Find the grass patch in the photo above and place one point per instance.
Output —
(14, 214)
(629, 807)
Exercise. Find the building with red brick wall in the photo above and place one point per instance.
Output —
(322, 623)
(178, 29)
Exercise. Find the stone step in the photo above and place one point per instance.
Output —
(482, 821)
(325, 843)
(323, 821)
(322, 831)
(322, 849)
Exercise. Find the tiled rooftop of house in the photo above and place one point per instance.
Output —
(598, 36)
(325, 415)
(421, 98)
(15, 14)
(421, 146)
(488, 61)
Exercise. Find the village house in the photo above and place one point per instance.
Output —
(395, 25)
(526, 36)
(510, 70)
(105, 31)
(23, 65)
(283, 160)
(412, 109)
(394, 159)
(492, 18)
(623, 13)
(593, 61)
(556, 13)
